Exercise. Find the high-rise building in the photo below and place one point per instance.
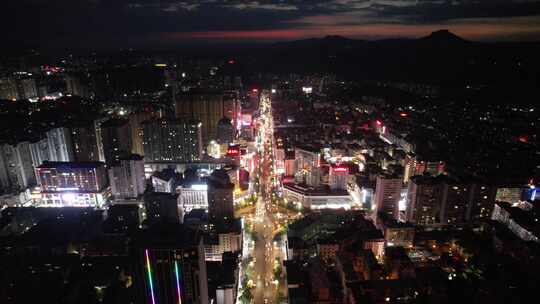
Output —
(40, 152)
(313, 177)
(73, 184)
(457, 198)
(483, 200)
(127, 177)
(60, 145)
(170, 268)
(338, 177)
(99, 140)
(425, 201)
(208, 108)
(27, 88)
(76, 143)
(116, 139)
(387, 195)
(437, 201)
(220, 195)
(137, 133)
(85, 144)
(225, 131)
(16, 168)
(193, 197)
(221, 237)
(231, 106)
(307, 157)
(172, 140)
(78, 85)
(8, 89)
(414, 165)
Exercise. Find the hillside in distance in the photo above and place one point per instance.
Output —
(441, 57)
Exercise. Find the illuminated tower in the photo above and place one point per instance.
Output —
(171, 267)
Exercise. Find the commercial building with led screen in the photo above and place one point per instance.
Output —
(72, 183)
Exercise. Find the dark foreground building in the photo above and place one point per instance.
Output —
(170, 265)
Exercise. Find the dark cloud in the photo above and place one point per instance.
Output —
(110, 22)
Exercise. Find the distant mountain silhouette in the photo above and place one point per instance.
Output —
(443, 37)
(441, 57)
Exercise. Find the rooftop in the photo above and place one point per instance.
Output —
(114, 122)
(54, 164)
(166, 236)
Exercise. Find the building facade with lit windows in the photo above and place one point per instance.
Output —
(85, 144)
(116, 139)
(73, 184)
(172, 140)
(457, 198)
(482, 203)
(438, 201)
(425, 201)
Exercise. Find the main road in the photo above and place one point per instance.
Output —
(267, 253)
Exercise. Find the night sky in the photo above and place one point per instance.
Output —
(146, 23)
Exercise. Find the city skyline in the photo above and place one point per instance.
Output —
(269, 151)
(170, 23)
